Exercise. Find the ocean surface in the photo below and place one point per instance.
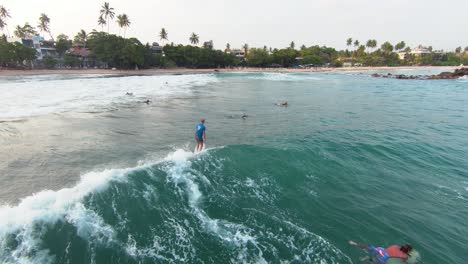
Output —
(91, 175)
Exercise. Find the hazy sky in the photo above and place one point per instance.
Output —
(442, 24)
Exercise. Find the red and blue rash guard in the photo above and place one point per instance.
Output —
(380, 254)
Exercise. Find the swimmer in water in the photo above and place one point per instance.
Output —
(147, 101)
(129, 94)
(381, 255)
(282, 104)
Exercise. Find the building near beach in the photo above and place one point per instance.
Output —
(80, 52)
(239, 53)
(420, 50)
(156, 48)
(43, 47)
(208, 44)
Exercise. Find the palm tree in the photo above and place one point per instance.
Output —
(108, 13)
(163, 34)
(400, 45)
(44, 22)
(246, 48)
(356, 43)
(2, 24)
(4, 15)
(81, 37)
(101, 22)
(19, 32)
(24, 31)
(123, 22)
(194, 39)
(349, 42)
(371, 43)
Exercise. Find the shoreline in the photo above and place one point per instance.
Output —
(7, 72)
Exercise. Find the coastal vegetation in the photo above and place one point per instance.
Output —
(118, 51)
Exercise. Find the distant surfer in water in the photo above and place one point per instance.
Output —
(200, 135)
(282, 104)
(381, 255)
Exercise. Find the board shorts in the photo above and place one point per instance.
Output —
(199, 138)
(379, 254)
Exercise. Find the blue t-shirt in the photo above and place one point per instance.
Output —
(200, 129)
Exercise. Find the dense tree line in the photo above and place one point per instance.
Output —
(111, 50)
(15, 54)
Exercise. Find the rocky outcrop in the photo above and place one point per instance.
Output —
(441, 76)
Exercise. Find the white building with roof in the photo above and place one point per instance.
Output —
(43, 48)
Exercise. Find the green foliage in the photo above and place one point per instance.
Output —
(116, 51)
(337, 63)
(81, 37)
(15, 54)
(326, 54)
(356, 43)
(25, 31)
(313, 59)
(387, 47)
(62, 45)
(195, 57)
(49, 62)
(284, 57)
(258, 57)
(400, 45)
(72, 61)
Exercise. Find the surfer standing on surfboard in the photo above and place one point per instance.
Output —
(200, 136)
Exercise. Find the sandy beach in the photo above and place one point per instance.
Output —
(7, 72)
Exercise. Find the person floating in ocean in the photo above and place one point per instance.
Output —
(200, 135)
(282, 104)
(147, 101)
(130, 94)
(381, 255)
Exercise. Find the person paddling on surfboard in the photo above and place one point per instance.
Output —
(381, 255)
(200, 135)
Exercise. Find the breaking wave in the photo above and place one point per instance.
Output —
(185, 208)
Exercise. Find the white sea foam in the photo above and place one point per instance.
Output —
(47, 208)
(235, 234)
(28, 220)
(39, 96)
(274, 76)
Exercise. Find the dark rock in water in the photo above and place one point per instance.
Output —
(441, 76)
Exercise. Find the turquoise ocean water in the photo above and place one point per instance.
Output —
(91, 175)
